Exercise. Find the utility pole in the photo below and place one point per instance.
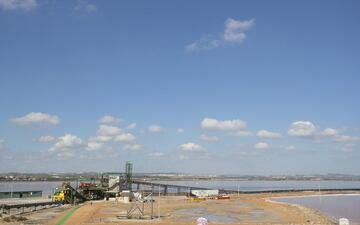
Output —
(238, 189)
(159, 204)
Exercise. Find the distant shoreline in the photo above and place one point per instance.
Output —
(316, 195)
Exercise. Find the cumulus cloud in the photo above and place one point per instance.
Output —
(191, 150)
(208, 138)
(206, 42)
(268, 134)
(345, 138)
(242, 133)
(66, 143)
(109, 119)
(156, 155)
(101, 138)
(107, 130)
(348, 147)
(95, 146)
(85, 6)
(214, 124)
(336, 136)
(46, 138)
(155, 128)
(65, 155)
(190, 147)
(261, 145)
(112, 133)
(131, 126)
(25, 5)
(329, 132)
(234, 29)
(302, 129)
(290, 147)
(36, 118)
(132, 147)
(234, 33)
(180, 130)
(124, 137)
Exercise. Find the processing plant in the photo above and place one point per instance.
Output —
(111, 184)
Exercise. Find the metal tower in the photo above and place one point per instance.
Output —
(128, 174)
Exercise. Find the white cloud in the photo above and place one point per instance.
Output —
(234, 33)
(234, 29)
(261, 145)
(96, 146)
(112, 133)
(329, 132)
(26, 5)
(214, 124)
(131, 126)
(132, 147)
(345, 138)
(107, 130)
(46, 138)
(85, 6)
(207, 42)
(290, 147)
(191, 147)
(156, 155)
(109, 119)
(65, 155)
(101, 138)
(336, 136)
(155, 128)
(208, 138)
(124, 137)
(180, 130)
(302, 129)
(66, 143)
(242, 133)
(348, 147)
(36, 118)
(268, 134)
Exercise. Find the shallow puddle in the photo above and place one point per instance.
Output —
(194, 213)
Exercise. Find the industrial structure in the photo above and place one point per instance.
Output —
(112, 184)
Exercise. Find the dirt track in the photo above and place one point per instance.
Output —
(245, 210)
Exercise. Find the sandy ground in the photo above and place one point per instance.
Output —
(244, 209)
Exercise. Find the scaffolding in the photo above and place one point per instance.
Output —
(141, 206)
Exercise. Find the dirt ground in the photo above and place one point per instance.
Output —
(244, 209)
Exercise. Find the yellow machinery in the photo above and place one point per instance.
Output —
(59, 196)
(67, 194)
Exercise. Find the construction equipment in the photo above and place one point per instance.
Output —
(59, 196)
(111, 185)
(67, 194)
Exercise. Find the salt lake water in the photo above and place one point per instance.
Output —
(47, 187)
(334, 206)
(266, 185)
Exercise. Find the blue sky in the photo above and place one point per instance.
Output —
(235, 87)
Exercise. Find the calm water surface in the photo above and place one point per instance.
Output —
(266, 185)
(46, 187)
(336, 206)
